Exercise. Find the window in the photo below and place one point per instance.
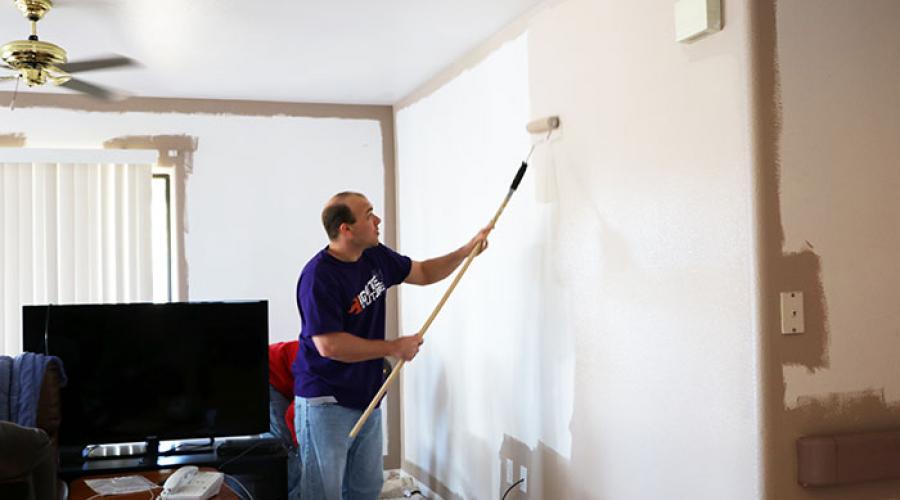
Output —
(77, 227)
(161, 217)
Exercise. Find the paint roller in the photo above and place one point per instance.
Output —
(542, 125)
(539, 126)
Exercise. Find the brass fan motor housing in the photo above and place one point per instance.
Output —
(34, 60)
(22, 53)
(34, 10)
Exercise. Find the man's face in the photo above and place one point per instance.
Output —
(365, 230)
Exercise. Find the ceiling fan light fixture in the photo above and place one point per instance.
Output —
(22, 53)
(34, 10)
(32, 59)
(38, 62)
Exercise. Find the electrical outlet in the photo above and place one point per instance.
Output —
(523, 475)
(509, 471)
(792, 313)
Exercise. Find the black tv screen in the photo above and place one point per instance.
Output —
(156, 371)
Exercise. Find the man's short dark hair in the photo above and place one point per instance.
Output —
(336, 213)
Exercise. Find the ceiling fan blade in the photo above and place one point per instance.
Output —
(102, 63)
(6, 78)
(93, 90)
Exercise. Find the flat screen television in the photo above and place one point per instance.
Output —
(144, 372)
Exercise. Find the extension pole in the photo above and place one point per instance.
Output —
(399, 366)
(547, 124)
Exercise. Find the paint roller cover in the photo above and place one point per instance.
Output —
(543, 124)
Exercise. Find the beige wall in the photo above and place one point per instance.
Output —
(831, 229)
(607, 339)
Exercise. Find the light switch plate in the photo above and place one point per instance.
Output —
(792, 321)
(695, 19)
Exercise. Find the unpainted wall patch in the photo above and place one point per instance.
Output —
(549, 473)
(792, 271)
(216, 107)
(433, 483)
(513, 455)
(12, 140)
(838, 413)
(831, 406)
(802, 271)
(176, 151)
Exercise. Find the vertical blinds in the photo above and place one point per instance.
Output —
(74, 228)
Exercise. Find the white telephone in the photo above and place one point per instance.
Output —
(190, 483)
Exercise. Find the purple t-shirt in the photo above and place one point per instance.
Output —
(337, 296)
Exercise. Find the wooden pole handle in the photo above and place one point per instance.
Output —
(399, 366)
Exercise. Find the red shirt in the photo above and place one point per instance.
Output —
(281, 357)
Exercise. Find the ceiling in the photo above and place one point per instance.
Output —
(332, 51)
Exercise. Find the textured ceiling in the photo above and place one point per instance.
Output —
(337, 51)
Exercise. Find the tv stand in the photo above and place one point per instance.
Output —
(260, 464)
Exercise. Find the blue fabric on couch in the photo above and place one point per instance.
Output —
(20, 386)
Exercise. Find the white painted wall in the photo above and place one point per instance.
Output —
(255, 194)
(463, 391)
(608, 332)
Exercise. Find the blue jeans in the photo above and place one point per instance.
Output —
(334, 466)
(277, 406)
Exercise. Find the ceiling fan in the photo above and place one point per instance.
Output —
(38, 62)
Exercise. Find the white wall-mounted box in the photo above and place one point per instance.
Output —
(695, 19)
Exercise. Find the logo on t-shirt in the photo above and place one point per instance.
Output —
(373, 289)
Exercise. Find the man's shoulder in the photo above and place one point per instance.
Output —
(313, 261)
(381, 250)
(317, 265)
(378, 249)
(382, 255)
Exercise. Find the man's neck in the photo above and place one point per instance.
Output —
(343, 253)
